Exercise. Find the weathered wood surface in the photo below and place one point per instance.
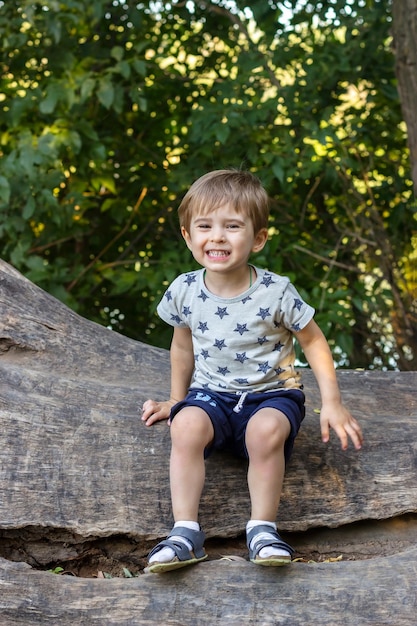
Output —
(377, 592)
(77, 466)
(75, 457)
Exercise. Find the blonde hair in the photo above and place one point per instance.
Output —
(241, 189)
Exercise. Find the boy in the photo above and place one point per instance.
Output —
(233, 382)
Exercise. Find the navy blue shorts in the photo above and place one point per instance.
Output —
(231, 412)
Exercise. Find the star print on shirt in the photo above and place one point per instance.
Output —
(203, 326)
(168, 295)
(262, 340)
(221, 312)
(189, 279)
(204, 354)
(245, 300)
(186, 311)
(264, 313)
(219, 343)
(298, 304)
(279, 370)
(241, 357)
(223, 371)
(295, 327)
(263, 367)
(203, 295)
(176, 319)
(278, 347)
(242, 381)
(241, 328)
(267, 280)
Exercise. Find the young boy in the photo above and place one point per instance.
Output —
(233, 382)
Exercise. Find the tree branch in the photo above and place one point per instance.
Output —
(110, 243)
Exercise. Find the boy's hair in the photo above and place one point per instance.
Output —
(241, 189)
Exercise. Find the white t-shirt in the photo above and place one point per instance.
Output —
(244, 343)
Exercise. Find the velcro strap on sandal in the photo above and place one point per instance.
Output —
(276, 541)
(195, 538)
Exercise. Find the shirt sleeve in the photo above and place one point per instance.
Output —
(170, 308)
(296, 313)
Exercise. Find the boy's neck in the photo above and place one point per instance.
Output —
(229, 285)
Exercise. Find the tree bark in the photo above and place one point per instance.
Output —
(375, 592)
(76, 456)
(77, 466)
(405, 46)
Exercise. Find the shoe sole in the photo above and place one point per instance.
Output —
(160, 568)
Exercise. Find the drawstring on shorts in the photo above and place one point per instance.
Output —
(241, 402)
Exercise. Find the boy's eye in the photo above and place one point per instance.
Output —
(232, 226)
(203, 226)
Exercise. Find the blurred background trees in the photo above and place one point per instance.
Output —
(110, 110)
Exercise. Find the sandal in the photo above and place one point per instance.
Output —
(183, 556)
(276, 542)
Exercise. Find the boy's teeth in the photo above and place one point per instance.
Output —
(217, 253)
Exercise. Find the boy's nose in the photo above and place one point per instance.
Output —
(217, 234)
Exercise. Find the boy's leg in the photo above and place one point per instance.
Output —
(191, 433)
(266, 434)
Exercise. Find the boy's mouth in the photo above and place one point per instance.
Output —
(218, 254)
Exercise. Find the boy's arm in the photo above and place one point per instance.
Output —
(333, 413)
(182, 367)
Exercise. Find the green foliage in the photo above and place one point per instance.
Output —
(109, 111)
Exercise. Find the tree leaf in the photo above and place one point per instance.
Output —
(29, 208)
(105, 92)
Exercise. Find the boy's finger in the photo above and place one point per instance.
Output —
(355, 434)
(325, 433)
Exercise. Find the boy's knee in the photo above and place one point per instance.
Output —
(268, 431)
(191, 424)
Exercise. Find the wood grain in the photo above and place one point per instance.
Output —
(77, 464)
(377, 592)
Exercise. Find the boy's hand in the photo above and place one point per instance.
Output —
(153, 411)
(337, 416)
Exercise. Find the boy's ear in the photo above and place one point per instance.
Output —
(260, 240)
(186, 236)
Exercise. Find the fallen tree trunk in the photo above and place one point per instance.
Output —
(377, 592)
(76, 457)
(78, 466)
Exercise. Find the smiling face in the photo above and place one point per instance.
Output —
(223, 239)
(241, 190)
